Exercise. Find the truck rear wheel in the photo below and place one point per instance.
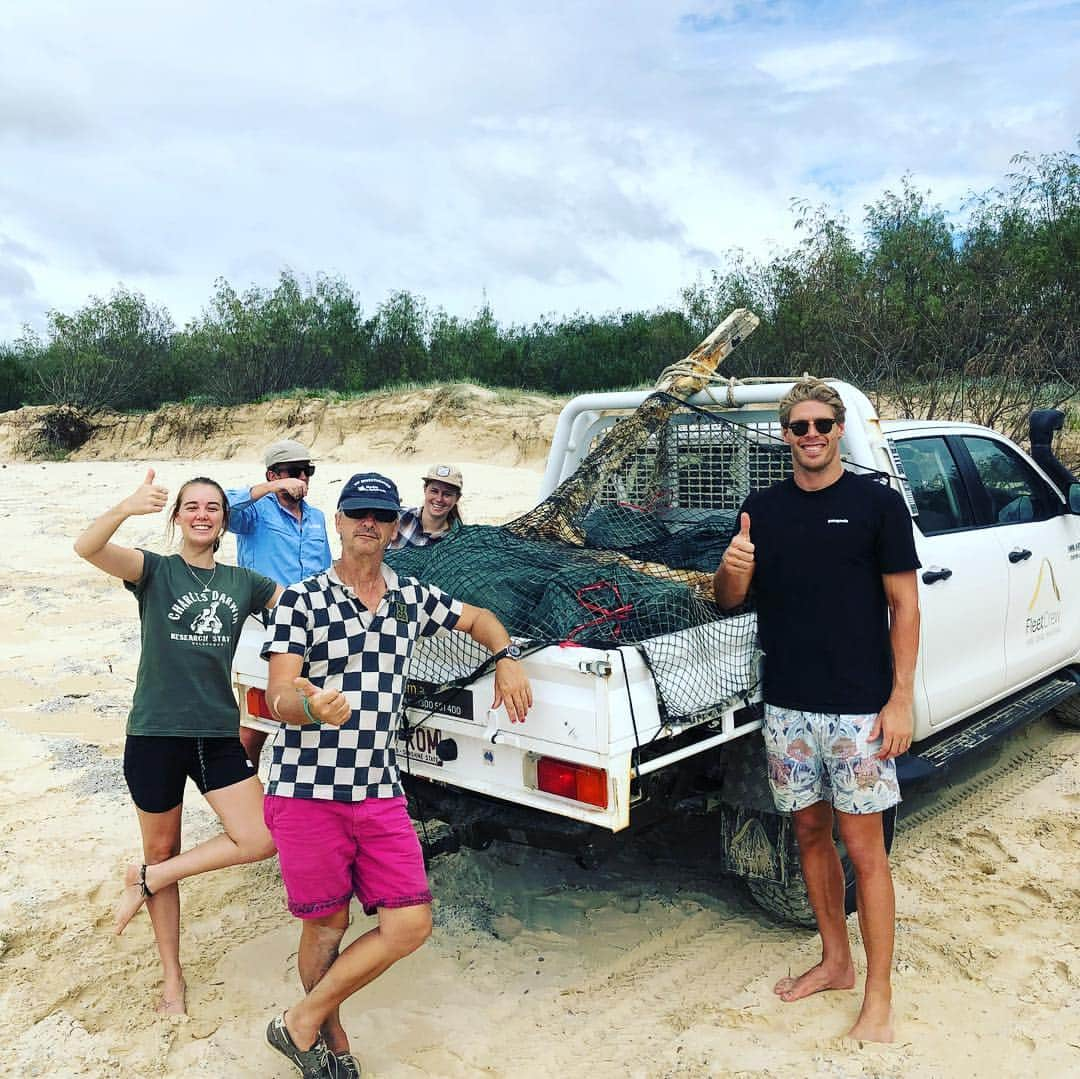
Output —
(790, 903)
(1068, 712)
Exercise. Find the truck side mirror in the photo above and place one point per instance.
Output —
(1074, 497)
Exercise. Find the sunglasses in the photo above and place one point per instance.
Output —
(384, 517)
(800, 427)
(294, 472)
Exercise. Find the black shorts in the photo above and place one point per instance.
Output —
(156, 767)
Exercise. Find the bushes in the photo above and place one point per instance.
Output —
(256, 343)
(113, 353)
(14, 380)
(964, 313)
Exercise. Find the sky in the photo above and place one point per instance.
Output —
(542, 157)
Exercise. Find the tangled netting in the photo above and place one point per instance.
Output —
(622, 553)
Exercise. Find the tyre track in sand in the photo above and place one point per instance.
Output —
(983, 787)
(695, 998)
(668, 982)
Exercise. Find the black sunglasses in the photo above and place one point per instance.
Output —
(294, 472)
(384, 517)
(800, 427)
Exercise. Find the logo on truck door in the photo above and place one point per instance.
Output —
(1044, 611)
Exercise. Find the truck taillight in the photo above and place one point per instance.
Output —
(256, 704)
(577, 781)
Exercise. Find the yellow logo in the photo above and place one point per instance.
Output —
(1046, 569)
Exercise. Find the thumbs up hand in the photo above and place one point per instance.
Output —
(328, 706)
(739, 557)
(148, 497)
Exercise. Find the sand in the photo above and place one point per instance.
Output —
(652, 965)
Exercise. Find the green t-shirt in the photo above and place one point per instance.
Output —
(189, 636)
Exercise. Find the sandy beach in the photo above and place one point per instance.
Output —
(652, 965)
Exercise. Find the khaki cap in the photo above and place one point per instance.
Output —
(450, 474)
(285, 452)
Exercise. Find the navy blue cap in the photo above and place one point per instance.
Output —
(369, 491)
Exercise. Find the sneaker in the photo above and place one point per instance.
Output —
(348, 1066)
(314, 1063)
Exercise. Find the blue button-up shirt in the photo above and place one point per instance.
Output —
(271, 541)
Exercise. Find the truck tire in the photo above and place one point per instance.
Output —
(787, 903)
(790, 903)
(1068, 712)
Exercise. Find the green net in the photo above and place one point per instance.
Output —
(621, 554)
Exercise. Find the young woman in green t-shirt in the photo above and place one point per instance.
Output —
(184, 722)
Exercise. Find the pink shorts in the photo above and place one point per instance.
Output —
(331, 851)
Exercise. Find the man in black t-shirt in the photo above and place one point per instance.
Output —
(832, 569)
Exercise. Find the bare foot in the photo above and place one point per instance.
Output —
(131, 899)
(817, 979)
(875, 1024)
(173, 999)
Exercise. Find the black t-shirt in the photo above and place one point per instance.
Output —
(822, 615)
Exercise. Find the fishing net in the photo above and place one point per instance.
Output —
(622, 553)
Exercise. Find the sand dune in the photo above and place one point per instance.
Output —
(650, 966)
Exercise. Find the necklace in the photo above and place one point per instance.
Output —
(202, 585)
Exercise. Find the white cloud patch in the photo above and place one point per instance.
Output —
(826, 65)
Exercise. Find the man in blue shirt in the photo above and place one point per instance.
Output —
(278, 533)
(283, 537)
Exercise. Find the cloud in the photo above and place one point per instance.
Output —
(20, 303)
(826, 65)
(39, 115)
(15, 281)
(1035, 7)
(11, 248)
(553, 158)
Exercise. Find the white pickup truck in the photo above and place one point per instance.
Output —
(997, 531)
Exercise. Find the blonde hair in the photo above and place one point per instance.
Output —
(809, 388)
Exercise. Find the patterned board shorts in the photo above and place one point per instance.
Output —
(815, 757)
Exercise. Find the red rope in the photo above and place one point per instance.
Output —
(617, 614)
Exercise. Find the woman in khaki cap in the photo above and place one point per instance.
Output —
(438, 516)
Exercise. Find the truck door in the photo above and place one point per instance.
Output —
(963, 589)
(1033, 533)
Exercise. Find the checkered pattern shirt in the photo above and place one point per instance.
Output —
(410, 530)
(364, 654)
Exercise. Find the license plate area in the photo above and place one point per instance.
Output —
(421, 745)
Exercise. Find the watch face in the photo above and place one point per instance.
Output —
(512, 651)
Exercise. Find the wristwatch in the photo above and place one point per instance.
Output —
(511, 651)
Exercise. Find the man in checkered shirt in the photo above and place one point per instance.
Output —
(339, 648)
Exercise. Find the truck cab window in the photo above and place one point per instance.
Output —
(1015, 493)
(935, 482)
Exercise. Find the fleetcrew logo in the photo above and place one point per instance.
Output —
(1044, 611)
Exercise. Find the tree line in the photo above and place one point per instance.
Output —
(941, 317)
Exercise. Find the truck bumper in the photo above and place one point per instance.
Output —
(476, 821)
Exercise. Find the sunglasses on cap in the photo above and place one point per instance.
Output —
(384, 517)
(800, 427)
(294, 472)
